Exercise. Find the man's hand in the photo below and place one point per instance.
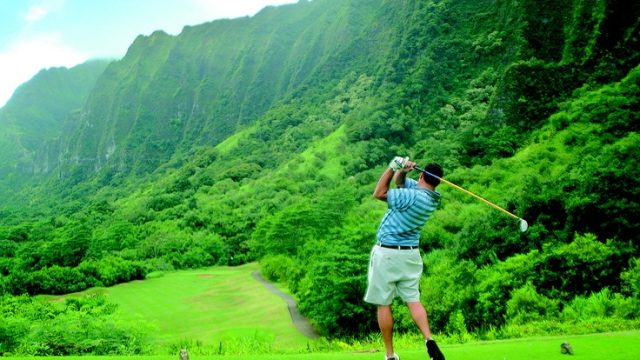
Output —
(408, 166)
(400, 176)
(398, 163)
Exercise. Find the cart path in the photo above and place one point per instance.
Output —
(300, 322)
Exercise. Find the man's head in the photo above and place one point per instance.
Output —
(434, 169)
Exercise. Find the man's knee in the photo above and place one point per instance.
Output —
(415, 306)
(384, 309)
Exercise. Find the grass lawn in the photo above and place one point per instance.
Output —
(207, 306)
(610, 346)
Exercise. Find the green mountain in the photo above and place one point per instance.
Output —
(33, 120)
(262, 139)
(169, 94)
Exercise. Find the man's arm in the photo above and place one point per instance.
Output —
(382, 187)
(398, 165)
(401, 175)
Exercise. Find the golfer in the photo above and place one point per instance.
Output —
(395, 266)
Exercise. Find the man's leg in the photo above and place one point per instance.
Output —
(419, 315)
(385, 322)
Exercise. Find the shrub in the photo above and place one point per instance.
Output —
(11, 331)
(195, 257)
(112, 270)
(332, 289)
(57, 280)
(631, 279)
(77, 333)
(447, 287)
(457, 327)
(164, 201)
(278, 268)
(603, 304)
(527, 305)
(495, 283)
(7, 248)
(79, 325)
(211, 243)
(581, 267)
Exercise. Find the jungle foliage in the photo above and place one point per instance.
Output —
(261, 139)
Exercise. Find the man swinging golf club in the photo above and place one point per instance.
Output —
(395, 266)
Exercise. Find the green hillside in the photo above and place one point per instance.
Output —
(37, 114)
(262, 139)
(169, 94)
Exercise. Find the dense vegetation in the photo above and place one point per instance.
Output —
(76, 326)
(262, 139)
(37, 115)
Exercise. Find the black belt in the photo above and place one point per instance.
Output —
(398, 247)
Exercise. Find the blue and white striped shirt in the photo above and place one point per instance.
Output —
(409, 209)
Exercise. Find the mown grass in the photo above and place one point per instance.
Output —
(610, 346)
(207, 307)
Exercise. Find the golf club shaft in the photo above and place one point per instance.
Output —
(470, 193)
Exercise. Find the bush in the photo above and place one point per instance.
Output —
(526, 305)
(79, 325)
(603, 304)
(164, 201)
(278, 268)
(57, 280)
(6, 264)
(212, 244)
(581, 267)
(495, 283)
(195, 257)
(12, 330)
(332, 289)
(7, 248)
(77, 333)
(112, 270)
(447, 288)
(631, 279)
(457, 327)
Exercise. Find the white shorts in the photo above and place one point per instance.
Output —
(392, 273)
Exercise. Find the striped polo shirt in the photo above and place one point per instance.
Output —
(409, 209)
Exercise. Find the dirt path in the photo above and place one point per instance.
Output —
(300, 322)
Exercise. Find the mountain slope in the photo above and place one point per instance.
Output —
(35, 115)
(262, 138)
(171, 93)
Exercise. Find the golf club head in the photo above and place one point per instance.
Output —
(523, 225)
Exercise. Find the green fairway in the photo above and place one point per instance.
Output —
(208, 306)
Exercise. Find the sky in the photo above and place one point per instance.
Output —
(39, 34)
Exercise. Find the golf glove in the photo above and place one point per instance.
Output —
(397, 163)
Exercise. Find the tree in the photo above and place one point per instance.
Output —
(331, 291)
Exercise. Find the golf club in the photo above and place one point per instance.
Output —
(523, 223)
